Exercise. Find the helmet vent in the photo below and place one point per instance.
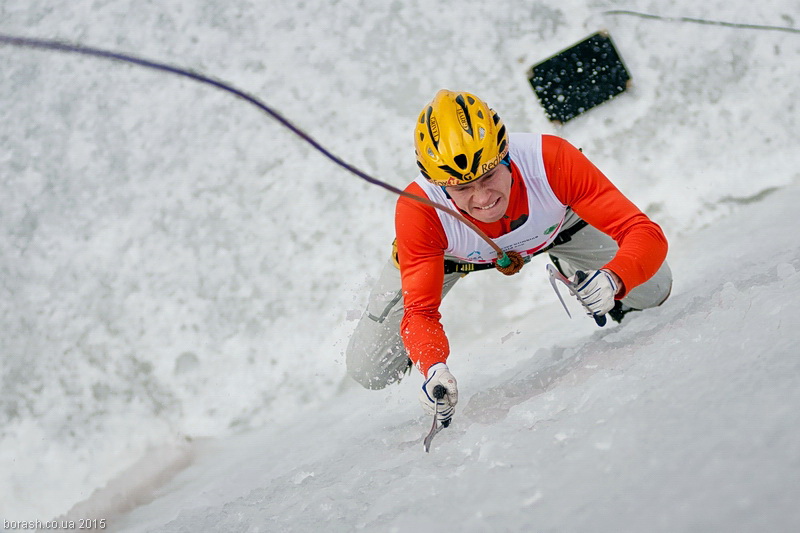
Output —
(462, 112)
(431, 154)
(476, 161)
(461, 161)
(501, 135)
(481, 133)
(480, 114)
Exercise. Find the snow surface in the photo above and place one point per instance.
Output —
(179, 275)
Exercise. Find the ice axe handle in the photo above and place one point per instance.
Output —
(440, 392)
(580, 275)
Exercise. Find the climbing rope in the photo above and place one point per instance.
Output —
(503, 261)
(701, 21)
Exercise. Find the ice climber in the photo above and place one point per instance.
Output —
(528, 192)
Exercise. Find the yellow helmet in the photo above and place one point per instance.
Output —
(458, 138)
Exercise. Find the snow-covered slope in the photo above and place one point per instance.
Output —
(177, 273)
(684, 419)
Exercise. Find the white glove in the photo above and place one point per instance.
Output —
(595, 290)
(439, 374)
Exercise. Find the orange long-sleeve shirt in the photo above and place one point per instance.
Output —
(576, 182)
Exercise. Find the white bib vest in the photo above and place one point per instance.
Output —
(545, 212)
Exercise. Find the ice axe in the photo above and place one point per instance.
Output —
(579, 277)
(439, 392)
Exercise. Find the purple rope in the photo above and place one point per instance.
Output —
(115, 56)
(59, 46)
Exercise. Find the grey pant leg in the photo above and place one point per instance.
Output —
(375, 354)
(590, 249)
